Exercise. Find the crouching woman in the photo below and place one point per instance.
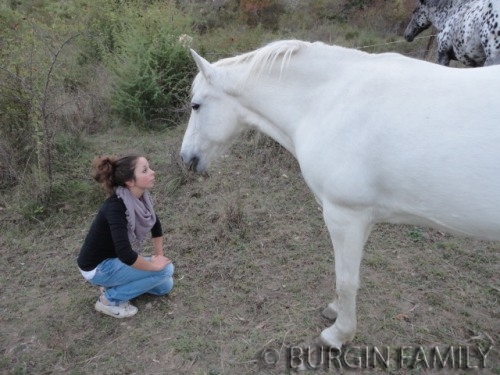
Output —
(110, 255)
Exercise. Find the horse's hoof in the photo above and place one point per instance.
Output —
(330, 338)
(329, 313)
(320, 341)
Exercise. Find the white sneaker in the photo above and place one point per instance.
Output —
(124, 310)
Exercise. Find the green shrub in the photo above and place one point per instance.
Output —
(152, 69)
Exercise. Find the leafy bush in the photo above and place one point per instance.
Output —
(152, 69)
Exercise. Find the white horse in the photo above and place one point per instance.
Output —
(379, 138)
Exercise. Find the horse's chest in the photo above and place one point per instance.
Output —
(461, 34)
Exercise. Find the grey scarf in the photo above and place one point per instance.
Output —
(140, 215)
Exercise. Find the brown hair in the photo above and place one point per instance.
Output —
(113, 171)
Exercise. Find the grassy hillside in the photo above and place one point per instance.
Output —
(254, 268)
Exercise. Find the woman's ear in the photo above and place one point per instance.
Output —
(130, 183)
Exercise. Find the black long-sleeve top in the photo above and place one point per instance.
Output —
(108, 236)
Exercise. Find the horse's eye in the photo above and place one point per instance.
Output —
(195, 106)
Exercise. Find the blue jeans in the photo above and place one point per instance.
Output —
(123, 282)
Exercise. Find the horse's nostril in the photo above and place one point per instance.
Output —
(194, 163)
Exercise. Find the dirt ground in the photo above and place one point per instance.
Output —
(254, 269)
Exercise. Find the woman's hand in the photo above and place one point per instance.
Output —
(155, 263)
(159, 262)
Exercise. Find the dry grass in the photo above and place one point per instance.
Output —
(253, 271)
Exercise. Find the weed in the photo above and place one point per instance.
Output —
(415, 234)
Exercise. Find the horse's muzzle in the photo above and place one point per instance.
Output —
(409, 36)
(190, 162)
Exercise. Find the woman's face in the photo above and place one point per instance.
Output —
(144, 176)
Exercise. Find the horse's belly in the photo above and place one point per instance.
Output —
(482, 224)
(459, 195)
(456, 190)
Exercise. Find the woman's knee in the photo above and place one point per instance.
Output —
(168, 270)
(165, 287)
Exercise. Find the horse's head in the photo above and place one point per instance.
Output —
(420, 20)
(215, 116)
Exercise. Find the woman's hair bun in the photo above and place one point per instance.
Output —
(103, 172)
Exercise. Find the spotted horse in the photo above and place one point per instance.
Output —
(468, 31)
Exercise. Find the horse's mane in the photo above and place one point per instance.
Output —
(261, 61)
(444, 3)
(435, 3)
(265, 57)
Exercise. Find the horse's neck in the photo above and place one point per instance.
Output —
(271, 116)
(277, 100)
(444, 11)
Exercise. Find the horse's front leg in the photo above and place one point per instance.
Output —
(445, 50)
(444, 57)
(349, 230)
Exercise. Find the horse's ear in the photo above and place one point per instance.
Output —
(207, 69)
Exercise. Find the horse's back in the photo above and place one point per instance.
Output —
(418, 143)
